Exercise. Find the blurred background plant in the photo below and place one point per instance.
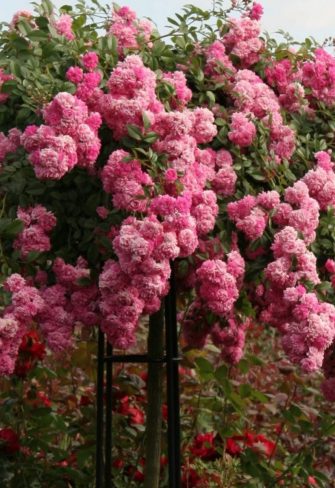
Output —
(255, 424)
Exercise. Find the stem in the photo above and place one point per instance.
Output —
(155, 400)
(289, 400)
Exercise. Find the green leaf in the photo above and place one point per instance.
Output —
(245, 390)
(255, 360)
(211, 97)
(244, 366)
(21, 44)
(244, 305)
(47, 7)
(328, 428)
(10, 228)
(237, 401)
(220, 122)
(205, 368)
(23, 26)
(42, 23)
(221, 373)
(84, 455)
(38, 35)
(258, 395)
(134, 132)
(146, 121)
(66, 8)
(32, 256)
(172, 21)
(8, 86)
(151, 137)
(79, 22)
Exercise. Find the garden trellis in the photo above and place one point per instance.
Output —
(105, 361)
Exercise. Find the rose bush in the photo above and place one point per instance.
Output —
(125, 153)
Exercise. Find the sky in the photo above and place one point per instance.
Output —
(301, 18)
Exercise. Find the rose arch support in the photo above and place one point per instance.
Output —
(170, 359)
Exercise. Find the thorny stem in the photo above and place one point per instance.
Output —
(282, 425)
(225, 417)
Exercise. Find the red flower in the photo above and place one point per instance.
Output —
(257, 442)
(184, 371)
(31, 345)
(31, 350)
(136, 415)
(137, 473)
(190, 478)
(118, 463)
(38, 398)
(311, 480)
(9, 441)
(144, 376)
(203, 446)
(37, 350)
(42, 399)
(85, 400)
(69, 461)
(232, 447)
(248, 438)
(265, 445)
(23, 367)
(164, 460)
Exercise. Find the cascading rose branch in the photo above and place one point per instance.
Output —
(184, 198)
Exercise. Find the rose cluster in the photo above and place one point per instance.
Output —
(129, 30)
(208, 177)
(70, 138)
(56, 309)
(38, 223)
(307, 325)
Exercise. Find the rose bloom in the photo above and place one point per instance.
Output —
(9, 441)
(203, 446)
(257, 442)
(136, 415)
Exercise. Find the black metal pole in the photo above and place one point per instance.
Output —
(99, 463)
(133, 359)
(172, 368)
(108, 432)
